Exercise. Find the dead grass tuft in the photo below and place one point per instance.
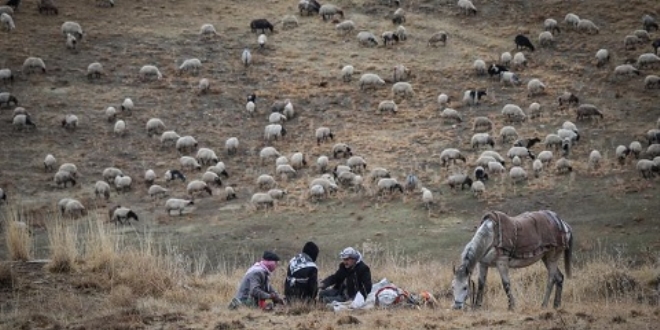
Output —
(63, 246)
(17, 235)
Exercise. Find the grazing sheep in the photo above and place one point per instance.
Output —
(308, 6)
(120, 128)
(155, 126)
(266, 181)
(427, 197)
(387, 106)
(653, 150)
(652, 81)
(173, 175)
(572, 20)
(523, 42)
(61, 178)
(288, 110)
(70, 122)
(111, 114)
(262, 200)
(648, 59)
(595, 159)
(94, 70)
(32, 63)
(198, 186)
(553, 140)
(643, 35)
(329, 11)
(367, 38)
(150, 71)
(537, 167)
(176, 204)
(186, 144)
(509, 77)
(6, 75)
(485, 161)
(230, 193)
(21, 122)
(231, 145)
(110, 173)
(379, 173)
(482, 139)
(282, 160)
(527, 142)
(71, 41)
(472, 97)
(357, 164)
(261, 24)
(340, 169)
(289, 22)
(478, 188)
(493, 154)
(545, 157)
(631, 41)
(7, 10)
(451, 114)
(401, 73)
(443, 99)
(127, 105)
(389, 38)
(298, 160)
(535, 87)
(74, 208)
(568, 98)
(250, 107)
(602, 56)
(150, 176)
(341, 149)
(451, 154)
(206, 156)
(20, 111)
(399, 16)
(49, 163)
(563, 166)
(459, 180)
(479, 67)
(347, 73)
(122, 215)
(546, 39)
(438, 37)
(635, 148)
(403, 88)
(508, 133)
(588, 26)
(323, 133)
(371, 79)
(496, 70)
(517, 174)
(647, 168)
(190, 65)
(401, 33)
(516, 161)
(585, 111)
(102, 188)
(268, 152)
(261, 40)
(105, 3)
(285, 169)
(513, 113)
(123, 183)
(412, 181)
(649, 23)
(7, 98)
(534, 110)
(551, 25)
(521, 152)
(482, 124)
(246, 57)
(389, 185)
(519, 60)
(317, 192)
(277, 193)
(505, 58)
(625, 70)
(169, 137)
(189, 163)
(207, 30)
(480, 174)
(322, 162)
(467, 7)
(204, 86)
(345, 27)
(653, 135)
(72, 28)
(327, 184)
(568, 133)
(274, 131)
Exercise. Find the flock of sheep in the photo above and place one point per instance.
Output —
(518, 160)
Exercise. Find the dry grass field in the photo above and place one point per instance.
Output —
(180, 272)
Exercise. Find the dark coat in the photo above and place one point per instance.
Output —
(354, 280)
(301, 281)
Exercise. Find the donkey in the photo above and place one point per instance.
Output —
(517, 242)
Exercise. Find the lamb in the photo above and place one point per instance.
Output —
(198, 186)
(322, 162)
(482, 124)
(479, 67)
(459, 180)
(513, 113)
(551, 25)
(451, 154)
(70, 122)
(186, 144)
(472, 97)
(277, 193)
(635, 148)
(647, 168)
(155, 126)
(268, 152)
(6, 75)
(261, 24)
(403, 88)
(521, 152)
(563, 166)
(371, 79)
(508, 133)
(190, 163)
(572, 20)
(261, 40)
(150, 71)
(123, 183)
(341, 149)
(510, 77)
(285, 170)
(173, 175)
(206, 156)
(329, 11)
(568, 98)
(72, 28)
(588, 111)
(262, 200)
(648, 59)
(74, 208)
(588, 26)
(467, 7)
(176, 204)
(546, 39)
(602, 56)
(482, 139)
(517, 174)
(347, 73)
(246, 57)
(49, 163)
(7, 98)
(61, 178)
(32, 63)
(535, 87)
(274, 131)
(298, 160)
(123, 214)
(427, 197)
(120, 128)
(102, 188)
(345, 27)
(323, 133)
(289, 22)
(438, 37)
(505, 58)
(357, 164)
(387, 106)
(389, 185)
(266, 181)
(451, 114)
(652, 81)
(523, 42)
(367, 38)
(231, 145)
(595, 159)
(519, 60)
(110, 114)
(21, 122)
(207, 30)
(190, 65)
(7, 22)
(169, 137)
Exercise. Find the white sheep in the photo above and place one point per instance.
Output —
(513, 113)
(443, 99)
(505, 58)
(647, 168)
(519, 60)
(207, 30)
(7, 10)
(268, 152)
(625, 70)
(631, 41)
(110, 114)
(427, 197)
(231, 145)
(246, 57)
(537, 167)
(288, 110)
(602, 57)
(285, 170)
(72, 28)
(274, 131)
(155, 126)
(49, 163)
(595, 159)
(71, 41)
(388, 185)
(403, 88)
(266, 181)
(317, 192)
(110, 173)
(367, 38)
(32, 63)
(517, 174)
(189, 163)
(451, 154)
(347, 73)
(150, 71)
(123, 182)
(478, 188)
(197, 186)
(186, 144)
(389, 38)
(545, 157)
(482, 139)
(289, 22)
(521, 152)
(588, 26)
(277, 193)
(343, 149)
(438, 37)
(534, 110)
(496, 167)
(102, 188)
(635, 148)
(546, 39)
(127, 105)
(648, 59)
(535, 87)
(6, 75)
(176, 204)
(401, 73)
(21, 122)
(327, 183)
(262, 200)
(357, 164)
(276, 117)
(69, 167)
(169, 137)
(509, 77)
(401, 33)
(61, 178)
(551, 25)
(298, 160)
(371, 79)
(204, 86)
(120, 128)
(150, 176)
(74, 208)
(508, 133)
(345, 27)
(387, 106)
(467, 7)
(94, 70)
(191, 65)
(642, 35)
(572, 20)
(451, 114)
(322, 163)
(211, 178)
(323, 134)
(652, 81)
(328, 11)
(563, 166)
(230, 193)
(206, 156)
(480, 67)
(261, 40)
(70, 122)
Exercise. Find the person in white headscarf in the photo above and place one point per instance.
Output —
(353, 276)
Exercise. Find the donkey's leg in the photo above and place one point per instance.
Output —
(481, 286)
(559, 282)
(503, 268)
(552, 270)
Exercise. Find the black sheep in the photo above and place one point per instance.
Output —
(523, 42)
(174, 174)
(261, 24)
(495, 69)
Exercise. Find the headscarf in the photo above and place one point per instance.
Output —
(352, 253)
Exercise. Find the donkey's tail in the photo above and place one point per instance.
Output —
(568, 254)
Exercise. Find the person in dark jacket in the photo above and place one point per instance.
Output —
(301, 283)
(353, 276)
(255, 289)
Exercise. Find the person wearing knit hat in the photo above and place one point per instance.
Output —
(353, 276)
(255, 289)
(301, 283)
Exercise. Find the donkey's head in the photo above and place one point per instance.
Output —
(461, 286)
